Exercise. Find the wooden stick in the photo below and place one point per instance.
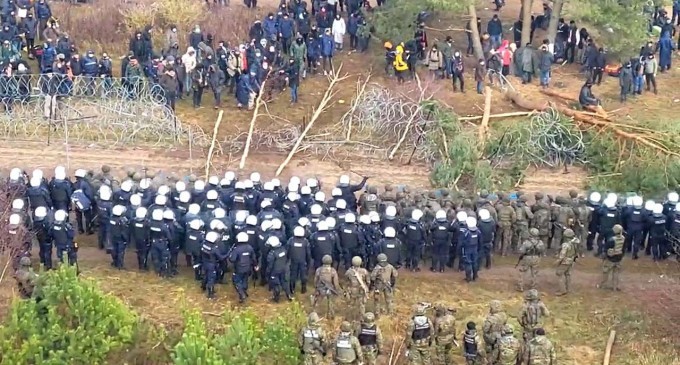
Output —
(403, 135)
(355, 101)
(258, 102)
(484, 126)
(212, 144)
(317, 112)
(608, 350)
(501, 115)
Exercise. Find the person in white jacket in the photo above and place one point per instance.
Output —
(189, 62)
(338, 31)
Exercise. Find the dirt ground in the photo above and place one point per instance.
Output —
(579, 323)
(643, 314)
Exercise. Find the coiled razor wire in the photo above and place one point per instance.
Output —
(90, 109)
(379, 120)
(549, 139)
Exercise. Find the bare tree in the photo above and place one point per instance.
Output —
(554, 20)
(476, 41)
(526, 21)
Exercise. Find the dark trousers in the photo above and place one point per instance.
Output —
(471, 258)
(46, 254)
(413, 254)
(160, 255)
(277, 281)
(218, 97)
(298, 271)
(634, 241)
(651, 81)
(118, 253)
(170, 98)
(353, 41)
(209, 278)
(143, 257)
(597, 76)
(240, 281)
(86, 225)
(440, 256)
(458, 77)
(570, 52)
(102, 234)
(485, 255)
(198, 95)
(30, 44)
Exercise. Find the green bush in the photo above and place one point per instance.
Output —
(73, 323)
(246, 340)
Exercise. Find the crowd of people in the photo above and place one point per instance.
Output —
(273, 234)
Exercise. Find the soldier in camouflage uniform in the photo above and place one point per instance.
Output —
(542, 222)
(582, 214)
(388, 196)
(484, 203)
(359, 281)
(312, 341)
(540, 351)
(383, 280)
(419, 336)
(611, 265)
(444, 333)
(506, 219)
(509, 350)
(327, 285)
(523, 216)
(532, 312)
(564, 219)
(26, 278)
(369, 202)
(370, 339)
(347, 347)
(493, 324)
(566, 260)
(530, 253)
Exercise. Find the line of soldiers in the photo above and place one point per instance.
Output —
(497, 344)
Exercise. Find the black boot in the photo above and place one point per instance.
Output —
(189, 260)
(303, 290)
(211, 292)
(292, 287)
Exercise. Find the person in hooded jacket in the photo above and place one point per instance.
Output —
(286, 32)
(327, 48)
(626, 81)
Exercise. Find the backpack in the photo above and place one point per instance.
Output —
(80, 200)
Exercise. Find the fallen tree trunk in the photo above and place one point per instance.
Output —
(589, 118)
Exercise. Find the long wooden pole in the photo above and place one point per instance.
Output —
(608, 350)
(317, 112)
(212, 144)
(258, 102)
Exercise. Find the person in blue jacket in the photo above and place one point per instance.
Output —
(270, 26)
(313, 54)
(665, 52)
(352, 27)
(327, 47)
(286, 32)
(243, 90)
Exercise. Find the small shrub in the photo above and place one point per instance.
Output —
(73, 323)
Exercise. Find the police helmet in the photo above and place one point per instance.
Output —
(471, 222)
(18, 204)
(118, 210)
(15, 219)
(292, 196)
(594, 197)
(60, 173)
(276, 183)
(80, 173)
(213, 180)
(60, 216)
(330, 221)
(416, 214)
(240, 216)
(126, 186)
(265, 225)
(391, 211)
(144, 184)
(184, 197)
(140, 213)
(294, 180)
(461, 216)
(161, 200)
(303, 221)
(194, 209)
(649, 205)
(637, 202)
(672, 197)
(251, 220)
(230, 175)
(157, 215)
(248, 184)
(484, 215)
(273, 241)
(350, 218)
(265, 203)
(212, 237)
(293, 187)
(180, 186)
(105, 192)
(658, 208)
(375, 217)
(276, 223)
(322, 226)
(37, 174)
(199, 185)
(440, 215)
(268, 186)
(242, 237)
(163, 190)
(169, 214)
(217, 225)
(344, 180)
(312, 182)
(298, 231)
(211, 195)
(239, 185)
(365, 219)
(135, 200)
(316, 209)
(389, 232)
(305, 190)
(255, 177)
(40, 212)
(320, 196)
(219, 213)
(336, 192)
(15, 174)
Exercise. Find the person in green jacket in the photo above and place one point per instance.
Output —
(363, 35)
(298, 52)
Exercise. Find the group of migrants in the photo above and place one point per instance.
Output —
(284, 47)
(496, 344)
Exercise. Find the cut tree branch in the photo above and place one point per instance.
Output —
(258, 102)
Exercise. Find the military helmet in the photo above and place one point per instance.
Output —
(569, 233)
(327, 260)
(345, 326)
(25, 261)
(106, 169)
(356, 261)
(523, 198)
(539, 196)
(532, 294)
(130, 172)
(388, 188)
(440, 307)
(137, 177)
(534, 232)
(313, 318)
(419, 310)
(617, 229)
(495, 306)
(508, 329)
(573, 194)
(484, 193)
(369, 317)
(372, 190)
(382, 257)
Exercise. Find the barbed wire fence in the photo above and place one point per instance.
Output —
(113, 111)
